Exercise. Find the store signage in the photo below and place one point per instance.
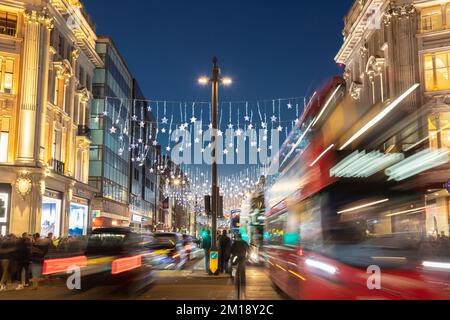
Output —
(99, 214)
(53, 194)
(96, 213)
(137, 218)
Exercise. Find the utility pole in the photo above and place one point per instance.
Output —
(215, 189)
(215, 80)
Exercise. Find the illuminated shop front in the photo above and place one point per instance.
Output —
(5, 196)
(51, 214)
(78, 217)
(107, 220)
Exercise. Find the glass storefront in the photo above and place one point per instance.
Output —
(78, 219)
(51, 216)
(4, 213)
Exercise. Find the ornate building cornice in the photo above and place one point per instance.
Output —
(405, 11)
(39, 16)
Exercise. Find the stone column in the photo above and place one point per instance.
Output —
(28, 109)
(43, 86)
(402, 21)
(72, 125)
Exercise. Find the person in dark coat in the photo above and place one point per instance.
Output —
(23, 261)
(239, 250)
(224, 251)
(39, 250)
(7, 258)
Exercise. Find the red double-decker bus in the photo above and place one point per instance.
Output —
(345, 239)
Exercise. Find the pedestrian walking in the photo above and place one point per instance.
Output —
(7, 257)
(39, 250)
(224, 251)
(239, 250)
(23, 261)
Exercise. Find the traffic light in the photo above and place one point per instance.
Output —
(220, 213)
(208, 205)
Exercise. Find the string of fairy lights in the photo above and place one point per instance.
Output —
(135, 126)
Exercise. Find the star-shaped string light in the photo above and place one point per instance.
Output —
(193, 119)
(230, 126)
(274, 118)
(165, 120)
(113, 130)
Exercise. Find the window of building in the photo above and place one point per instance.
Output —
(60, 88)
(8, 23)
(6, 75)
(439, 130)
(56, 148)
(4, 141)
(81, 76)
(447, 13)
(431, 19)
(437, 71)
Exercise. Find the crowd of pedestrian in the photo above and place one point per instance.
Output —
(22, 258)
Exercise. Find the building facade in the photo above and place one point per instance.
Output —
(396, 57)
(47, 59)
(110, 127)
(143, 183)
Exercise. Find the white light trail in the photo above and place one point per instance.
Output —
(380, 116)
(322, 155)
(364, 206)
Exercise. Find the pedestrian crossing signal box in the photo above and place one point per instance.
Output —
(214, 261)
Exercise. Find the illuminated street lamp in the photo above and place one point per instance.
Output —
(215, 80)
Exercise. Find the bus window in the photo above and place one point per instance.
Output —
(276, 227)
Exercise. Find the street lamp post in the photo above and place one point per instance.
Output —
(215, 80)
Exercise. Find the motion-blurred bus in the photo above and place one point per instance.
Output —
(337, 235)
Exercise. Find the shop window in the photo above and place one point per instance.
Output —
(51, 217)
(4, 205)
(78, 216)
(4, 141)
(431, 19)
(8, 23)
(437, 71)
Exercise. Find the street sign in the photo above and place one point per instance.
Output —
(214, 261)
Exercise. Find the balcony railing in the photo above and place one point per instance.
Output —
(58, 166)
(84, 131)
